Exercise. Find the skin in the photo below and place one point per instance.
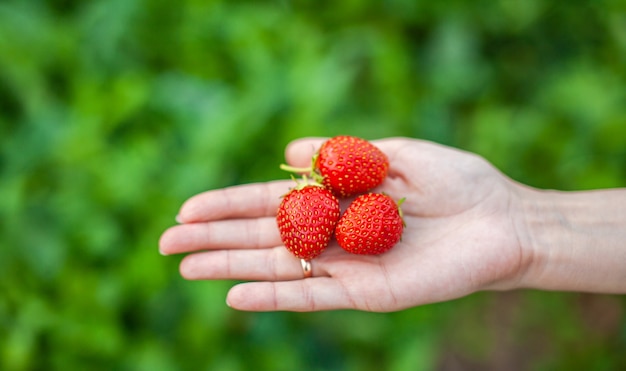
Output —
(468, 228)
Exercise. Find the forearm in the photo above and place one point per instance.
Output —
(577, 240)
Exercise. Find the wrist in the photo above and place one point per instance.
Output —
(575, 240)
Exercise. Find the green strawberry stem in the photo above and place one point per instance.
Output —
(293, 169)
(310, 170)
(302, 170)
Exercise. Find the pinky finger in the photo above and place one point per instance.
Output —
(307, 295)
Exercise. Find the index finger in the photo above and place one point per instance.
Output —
(243, 201)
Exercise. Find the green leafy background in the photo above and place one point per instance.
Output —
(112, 113)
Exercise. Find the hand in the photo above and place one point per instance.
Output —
(463, 234)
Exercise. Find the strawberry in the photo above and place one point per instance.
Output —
(349, 165)
(371, 225)
(306, 219)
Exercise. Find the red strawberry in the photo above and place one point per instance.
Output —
(350, 165)
(347, 165)
(371, 225)
(306, 219)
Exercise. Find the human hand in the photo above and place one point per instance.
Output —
(463, 234)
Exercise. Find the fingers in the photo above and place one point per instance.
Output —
(222, 234)
(300, 151)
(249, 200)
(262, 199)
(267, 264)
(312, 294)
(281, 285)
(245, 201)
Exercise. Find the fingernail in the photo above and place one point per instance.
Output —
(162, 253)
(178, 220)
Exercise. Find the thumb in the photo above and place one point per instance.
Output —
(300, 151)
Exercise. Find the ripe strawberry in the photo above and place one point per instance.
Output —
(306, 219)
(349, 165)
(371, 225)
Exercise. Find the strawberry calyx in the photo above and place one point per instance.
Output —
(309, 171)
(399, 204)
(304, 182)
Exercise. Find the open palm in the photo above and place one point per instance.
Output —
(461, 236)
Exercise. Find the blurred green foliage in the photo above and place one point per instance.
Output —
(113, 112)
